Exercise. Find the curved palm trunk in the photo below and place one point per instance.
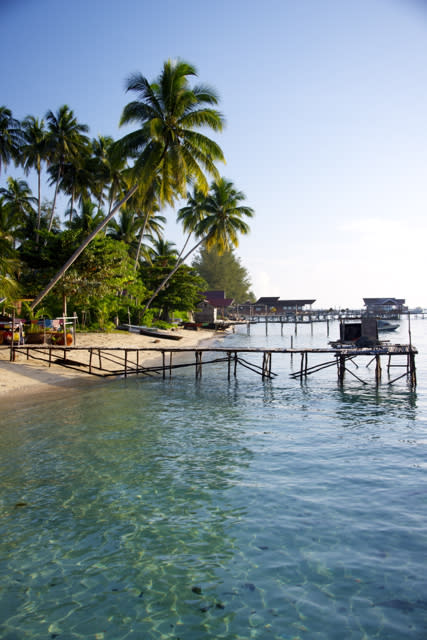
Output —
(138, 251)
(39, 205)
(54, 199)
(83, 246)
(72, 204)
(169, 276)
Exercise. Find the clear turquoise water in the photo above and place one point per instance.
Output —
(144, 508)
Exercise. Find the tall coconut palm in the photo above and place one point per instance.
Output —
(100, 165)
(168, 141)
(11, 138)
(66, 142)
(17, 203)
(34, 151)
(163, 249)
(87, 219)
(221, 221)
(126, 228)
(191, 214)
(77, 179)
(9, 267)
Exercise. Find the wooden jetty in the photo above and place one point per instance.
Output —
(126, 361)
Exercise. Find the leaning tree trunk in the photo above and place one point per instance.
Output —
(39, 205)
(82, 247)
(72, 205)
(54, 199)
(138, 251)
(169, 276)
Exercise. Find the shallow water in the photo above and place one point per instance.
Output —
(187, 509)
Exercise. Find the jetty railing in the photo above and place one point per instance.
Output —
(126, 361)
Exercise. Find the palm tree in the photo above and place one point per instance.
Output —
(9, 267)
(77, 179)
(126, 229)
(66, 142)
(34, 151)
(191, 214)
(168, 141)
(10, 137)
(17, 204)
(221, 221)
(88, 218)
(162, 249)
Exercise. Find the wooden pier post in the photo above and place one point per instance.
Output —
(377, 369)
(341, 368)
(266, 365)
(198, 355)
(412, 370)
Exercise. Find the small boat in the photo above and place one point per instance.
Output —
(386, 325)
(149, 331)
(156, 333)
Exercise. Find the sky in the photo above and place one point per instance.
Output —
(325, 103)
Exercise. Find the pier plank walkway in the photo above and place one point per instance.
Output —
(125, 361)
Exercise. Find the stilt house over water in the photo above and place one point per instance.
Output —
(275, 305)
(385, 307)
(214, 303)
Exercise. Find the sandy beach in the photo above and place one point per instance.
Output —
(26, 377)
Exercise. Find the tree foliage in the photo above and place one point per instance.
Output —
(106, 264)
(224, 272)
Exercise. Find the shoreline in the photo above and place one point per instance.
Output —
(27, 379)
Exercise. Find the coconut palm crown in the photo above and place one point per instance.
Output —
(170, 113)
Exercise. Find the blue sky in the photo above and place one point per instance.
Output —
(326, 109)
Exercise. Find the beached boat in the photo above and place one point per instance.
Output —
(156, 333)
(149, 331)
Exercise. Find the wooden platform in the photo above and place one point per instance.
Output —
(125, 361)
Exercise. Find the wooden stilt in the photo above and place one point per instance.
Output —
(126, 363)
(412, 373)
(163, 363)
(236, 360)
(198, 364)
(341, 368)
(229, 365)
(377, 369)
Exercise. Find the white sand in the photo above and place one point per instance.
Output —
(25, 377)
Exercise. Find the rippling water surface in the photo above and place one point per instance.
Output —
(240, 509)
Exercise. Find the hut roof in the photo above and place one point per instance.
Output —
(383, 301)
(217, 298)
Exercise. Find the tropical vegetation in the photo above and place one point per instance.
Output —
(90, 237)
